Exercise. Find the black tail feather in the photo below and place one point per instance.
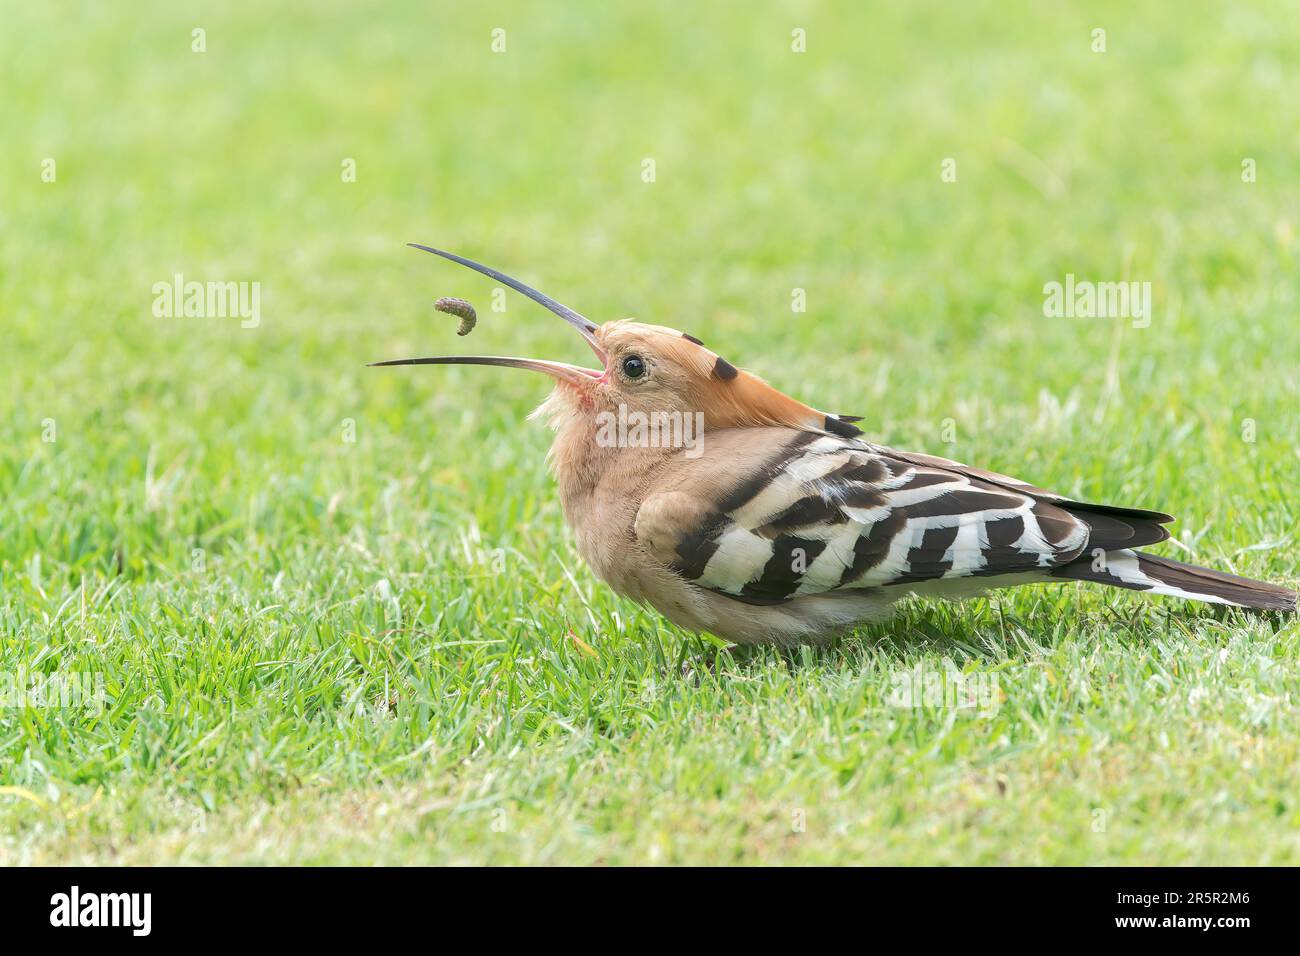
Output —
(1139, 571)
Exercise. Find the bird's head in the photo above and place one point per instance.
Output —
(645, 369)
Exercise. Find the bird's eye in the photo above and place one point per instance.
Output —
(633, 366)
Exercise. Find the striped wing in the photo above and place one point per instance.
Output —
(825, 513)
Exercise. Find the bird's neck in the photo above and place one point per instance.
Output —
(597, 473)
(578, 461)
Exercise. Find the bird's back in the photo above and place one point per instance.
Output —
(805, 523)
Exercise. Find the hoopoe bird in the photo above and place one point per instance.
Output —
(779, 523)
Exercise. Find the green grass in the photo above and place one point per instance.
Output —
(387, 650)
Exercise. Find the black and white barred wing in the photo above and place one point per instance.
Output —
(823, 513)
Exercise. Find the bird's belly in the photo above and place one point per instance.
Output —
(814, 618)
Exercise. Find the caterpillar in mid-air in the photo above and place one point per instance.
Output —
(459, 307)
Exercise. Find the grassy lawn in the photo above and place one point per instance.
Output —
(333, 610)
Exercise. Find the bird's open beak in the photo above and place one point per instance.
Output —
(561, 371)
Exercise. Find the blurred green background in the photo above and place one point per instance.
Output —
(385, 649)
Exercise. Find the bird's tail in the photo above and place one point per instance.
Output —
(1140, 571)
